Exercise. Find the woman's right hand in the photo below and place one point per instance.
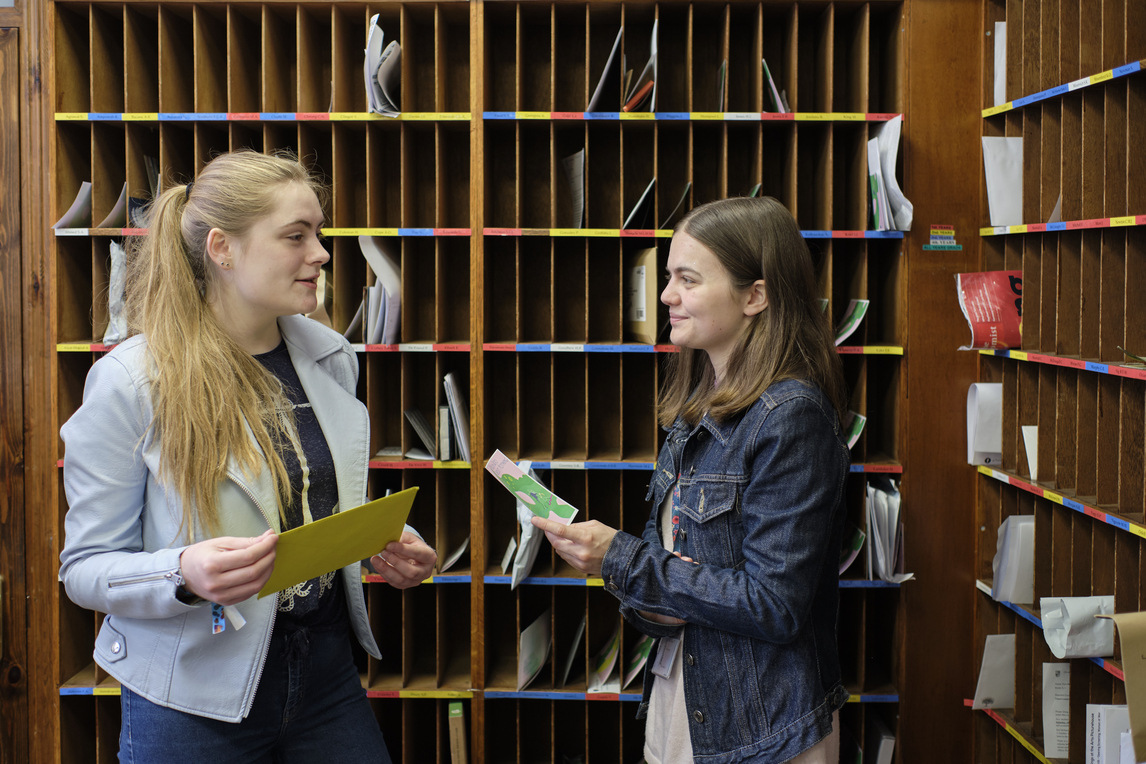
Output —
(228, 570)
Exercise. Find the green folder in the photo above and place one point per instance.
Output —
(336, 541)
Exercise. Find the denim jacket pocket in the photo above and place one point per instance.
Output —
(704, 501)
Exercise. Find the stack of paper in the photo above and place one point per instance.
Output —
(890, 209)
(1013, 569)
(857, 309)
(1105, 724)
(383, 72)
(418, 421)
(601, 676)
(853, 427)
(384, 298)
(779, 102)
(640, 217)
(607, 94)
(459, 415)
(642, 92)
(885, 532)
(880, 206)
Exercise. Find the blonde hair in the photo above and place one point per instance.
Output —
(756, 238)
(206, 391)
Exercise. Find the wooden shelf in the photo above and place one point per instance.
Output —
(1069, 379)
(525, 308)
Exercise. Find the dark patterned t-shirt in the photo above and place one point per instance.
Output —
(314, 495)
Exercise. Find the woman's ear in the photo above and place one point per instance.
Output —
(757, 298)
(219, 248)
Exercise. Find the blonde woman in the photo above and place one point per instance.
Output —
(226, 418)
(736, 570)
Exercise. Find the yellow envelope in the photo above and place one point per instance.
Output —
(336, 541)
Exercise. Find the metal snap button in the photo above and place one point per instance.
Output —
(691, 660)
(116, 647)
(698, 716)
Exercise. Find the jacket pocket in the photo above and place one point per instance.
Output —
(110, 644)
(705, 501)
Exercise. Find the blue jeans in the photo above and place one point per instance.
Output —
(310, 706)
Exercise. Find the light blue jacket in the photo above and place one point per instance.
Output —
(123, 537)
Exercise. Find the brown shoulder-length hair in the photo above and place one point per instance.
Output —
(756, 238)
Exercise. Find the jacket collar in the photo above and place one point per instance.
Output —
(309, 336)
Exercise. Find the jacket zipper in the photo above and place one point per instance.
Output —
(146, 578)
(274, 612)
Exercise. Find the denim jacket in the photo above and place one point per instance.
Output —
(762, 513)
(123, 539)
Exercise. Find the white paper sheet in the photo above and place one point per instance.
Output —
(79, 215)
(985, 423)
(1001, 63)
(117, 218)
(116, 331)
(996, 686)
(533, 650)
(1072, 631)
(1014, 564)
(1056, 709)
(611, 72)
(1031, 446)
(1003, 167)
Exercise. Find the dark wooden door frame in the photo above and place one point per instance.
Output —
(13, 631)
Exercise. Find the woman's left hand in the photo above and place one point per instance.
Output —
(406, 562)
(582, 545)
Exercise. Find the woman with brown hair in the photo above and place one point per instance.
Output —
(736, 570)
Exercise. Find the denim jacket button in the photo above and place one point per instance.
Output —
(691, 660)
(698, 716)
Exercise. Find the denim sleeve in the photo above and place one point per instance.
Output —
(789, 508)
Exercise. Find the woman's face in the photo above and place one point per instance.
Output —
(705, 313)
(273, 270)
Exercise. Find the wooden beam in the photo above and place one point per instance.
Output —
(13, 613)
(941, 169)
(41, 487)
